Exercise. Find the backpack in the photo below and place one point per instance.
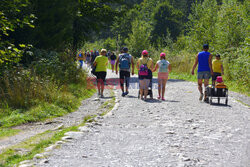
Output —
(124, 61)
(112, 57)
(163, 67)
(144, 69)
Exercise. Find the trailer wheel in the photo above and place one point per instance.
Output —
(210, 100)
(226, 101)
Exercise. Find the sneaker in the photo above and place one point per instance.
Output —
(201, 96)
(206, 99)
(163, 99)
(123, 94)
(159, 97)
(101, 96)
(126, 93)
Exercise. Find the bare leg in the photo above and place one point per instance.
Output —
(159, 86)
(102, 87)
(200, 85)
(206, 83)
(99, 86)
(141, 88)
(146, 81)
(164, 81)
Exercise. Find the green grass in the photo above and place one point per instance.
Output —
(38, 143)
(6, 132)
(66, 102)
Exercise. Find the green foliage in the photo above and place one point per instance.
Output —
(10, 19)
(139, 39)
(110, 44)
(201, 24)
(167, 21)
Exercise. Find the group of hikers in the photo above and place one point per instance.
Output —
(125, 64)
(89, 57)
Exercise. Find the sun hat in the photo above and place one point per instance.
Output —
(145, 52)
(219, 79)
(163, 54)
(103, 50)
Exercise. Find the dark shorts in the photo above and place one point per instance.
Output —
(124, 77)
(149, 76)
(216, 74)
(101, 76)
(204, 75)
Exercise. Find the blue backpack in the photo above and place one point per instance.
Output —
(124, 61)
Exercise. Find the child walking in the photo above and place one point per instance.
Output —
(164, 68)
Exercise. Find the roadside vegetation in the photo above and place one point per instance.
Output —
(39, 76)
(180, 28)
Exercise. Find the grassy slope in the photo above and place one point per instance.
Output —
(68, 102)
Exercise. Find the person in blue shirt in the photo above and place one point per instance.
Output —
(81, 58)
(204, 62)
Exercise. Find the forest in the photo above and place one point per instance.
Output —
(39, 40)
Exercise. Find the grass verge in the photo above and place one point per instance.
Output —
(38, 143)
(67, 102)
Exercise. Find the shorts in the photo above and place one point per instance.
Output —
(112, 62)
(216, 74)
(101, 76)
(124, 77)
(204, 75)
(162, 75)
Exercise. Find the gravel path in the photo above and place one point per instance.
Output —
(179, 132)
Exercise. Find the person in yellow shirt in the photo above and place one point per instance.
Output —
(101, 63)
(145, 66)
(217, 68)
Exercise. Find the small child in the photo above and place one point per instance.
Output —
(220, 83)
(217, 68)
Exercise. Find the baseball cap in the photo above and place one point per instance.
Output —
(205, 46)
(125, 49)
(163, 54)
(145, 52)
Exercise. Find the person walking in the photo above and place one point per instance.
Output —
(112, 60)
(100, 63)
(125, 62)
(204, 62)
(164, 68)
(144, 66)
(217, 68)
(80, 58)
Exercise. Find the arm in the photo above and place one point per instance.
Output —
(133, 65)
(137, 65)
(116, 65)
(222, 70)
(152, 65)
(95, 62)
(210, 64)
(156, 67)
(169, 68)
(195, 64)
